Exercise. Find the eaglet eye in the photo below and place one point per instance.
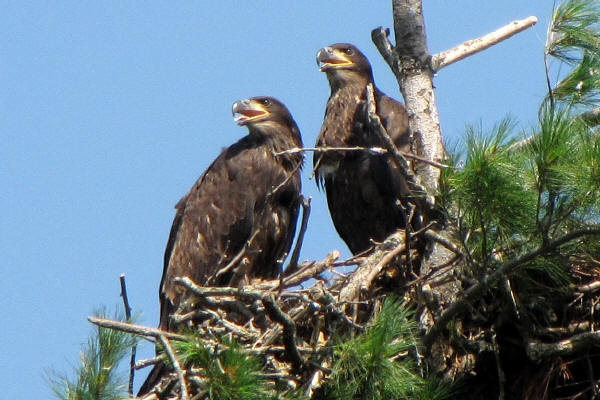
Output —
(349, 51)
(266, 102)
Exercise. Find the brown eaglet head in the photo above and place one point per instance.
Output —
(260, 109)
(342, 58)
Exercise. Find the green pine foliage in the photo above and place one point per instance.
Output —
(230, 374)
(510, 193)
(574, 38)
(582, 85)
(492, 196)
(98, 376)
(376, 365)
(573, 31)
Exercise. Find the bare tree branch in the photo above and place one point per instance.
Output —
(352, 288)
(133, 347)
(293, 264)
(473, 46)
(370, 150)
(289, 331)
(175, 362)
(590, 287)
(375, 122)
(538, 351)
(134, 329)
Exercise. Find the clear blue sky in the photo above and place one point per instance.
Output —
(109, 111)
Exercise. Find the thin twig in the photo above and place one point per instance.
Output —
(180, 372)
(444, 242)
(206, 291)
(590, 287)
(385, 260)
(289, 331)
(311, 270)
(147, 362)
(124, 297)
(399, 160)
(293, 264)
(370, 150)
(325, 149)
(133, 347)
(473, 46)
(499, 370)
(234, 260)
(285, 181)
(135, 329)
(437, 270)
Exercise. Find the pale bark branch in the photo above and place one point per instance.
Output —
(411, 64)
(412, 69)
(356, 282)
(134, 329)
(473, 46)
(147, 362)
(385, 260)
(175, 362)
(588, 288)
(538, 351)
(206, 291)
(296, 150)
(444, 242)
(310, 270)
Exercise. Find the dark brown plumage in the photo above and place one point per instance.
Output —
(238, 220)
(248, 197)
(365, 192)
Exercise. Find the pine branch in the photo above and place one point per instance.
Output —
(97, 375)
(477, 290)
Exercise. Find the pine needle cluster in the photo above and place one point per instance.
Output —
(377, 364)
(98, 376)
(509, 192)
(574, 39)
(229, 374)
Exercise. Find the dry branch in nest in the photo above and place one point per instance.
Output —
(289, 322)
